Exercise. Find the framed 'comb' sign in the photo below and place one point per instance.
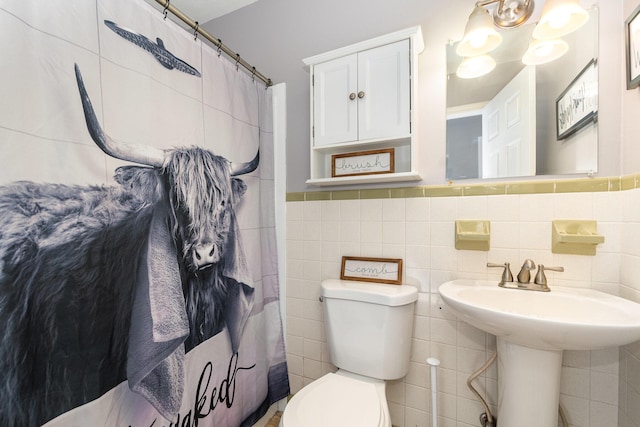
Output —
(380, 270)
(632, 25)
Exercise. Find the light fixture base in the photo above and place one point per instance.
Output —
(512, 13)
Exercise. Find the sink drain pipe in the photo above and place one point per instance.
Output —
(433, 362)
(562, 417)
(487, 419)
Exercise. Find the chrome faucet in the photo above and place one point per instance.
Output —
(524, 276)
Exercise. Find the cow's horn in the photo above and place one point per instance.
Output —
(244, 168)
(120, 150)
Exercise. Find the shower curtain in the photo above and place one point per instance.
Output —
(108, 317)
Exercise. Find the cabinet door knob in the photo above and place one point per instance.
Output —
(352, 96)
(361, 94)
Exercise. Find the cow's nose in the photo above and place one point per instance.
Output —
(205, 255)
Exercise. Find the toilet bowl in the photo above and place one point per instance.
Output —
(340, 399)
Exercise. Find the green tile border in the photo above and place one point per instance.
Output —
(484, 190)
(405, 193)
(628, 182)
(532, 187)
(295, 197)
(317, 195)
(375, 193)
(346, 195)
(582, 185)
(443, 191)
(575, 185)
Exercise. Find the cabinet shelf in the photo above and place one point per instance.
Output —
(346, 147)
(363, 97)
(366, 179)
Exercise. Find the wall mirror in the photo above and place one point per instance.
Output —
(517, 104)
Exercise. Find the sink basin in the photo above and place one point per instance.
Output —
(563, 319)
(533, 329)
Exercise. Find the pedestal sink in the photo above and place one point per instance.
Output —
(532, 330)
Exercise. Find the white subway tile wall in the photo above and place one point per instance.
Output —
(599, 388)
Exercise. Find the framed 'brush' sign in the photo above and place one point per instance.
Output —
(363, 163)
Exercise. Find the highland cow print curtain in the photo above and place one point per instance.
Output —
(138, 267)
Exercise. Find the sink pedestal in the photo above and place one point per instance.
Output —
(528, 385)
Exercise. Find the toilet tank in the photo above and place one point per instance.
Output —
(369, 326)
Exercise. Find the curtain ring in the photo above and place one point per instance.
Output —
(195, 31)
(166, 9)
(237, 60)
(253, 74)
(219, 47)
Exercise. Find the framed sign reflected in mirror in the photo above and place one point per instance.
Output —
(632, 25)
(577, 105)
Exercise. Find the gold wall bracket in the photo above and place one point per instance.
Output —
(577, 237)
(473, 235)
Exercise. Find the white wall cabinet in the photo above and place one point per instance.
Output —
(363, 98)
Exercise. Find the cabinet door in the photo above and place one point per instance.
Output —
(335, 109)
(384, 86)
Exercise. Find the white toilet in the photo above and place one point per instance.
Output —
(368, 328)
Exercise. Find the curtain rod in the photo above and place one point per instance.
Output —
(166, 4)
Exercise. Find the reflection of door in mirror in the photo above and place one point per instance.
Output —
(509, 129)
(464, 141)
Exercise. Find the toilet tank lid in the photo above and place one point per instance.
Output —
(376, 293)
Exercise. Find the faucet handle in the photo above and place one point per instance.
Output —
(506, 274)
(541, 278)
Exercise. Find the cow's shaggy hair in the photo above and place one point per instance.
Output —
(69, 257)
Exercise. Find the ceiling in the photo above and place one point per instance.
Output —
(206, 10)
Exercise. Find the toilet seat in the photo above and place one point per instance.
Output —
(339, 400)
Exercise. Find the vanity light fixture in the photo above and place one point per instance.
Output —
(559, 17)
(543, 51)
(480, 36)
(475, 66)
